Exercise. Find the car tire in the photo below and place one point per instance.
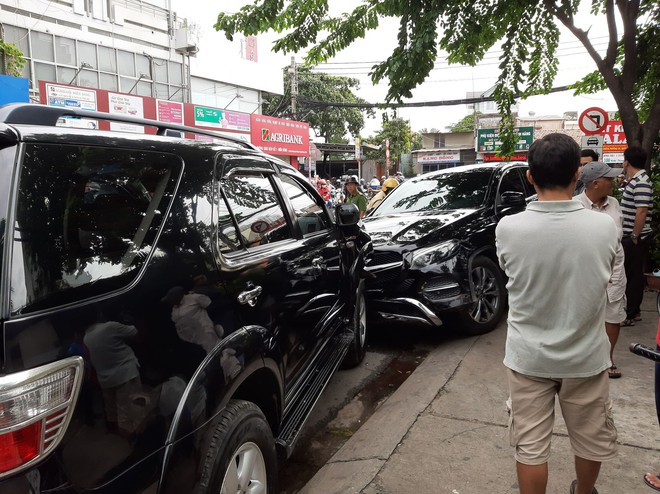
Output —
(358, 326)
(241, 453)
(485, 314)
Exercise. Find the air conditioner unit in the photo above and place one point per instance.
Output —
(184, 43)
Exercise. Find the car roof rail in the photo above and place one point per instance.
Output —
(33, 114)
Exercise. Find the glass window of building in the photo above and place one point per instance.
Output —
(65, 51)
(44, 71)
(162, 91)
(88, 78)
(126, 63)
(175, 73)
(160, 70)
(66, 75)
(143, 88)
(87, 54)
(107, 61)
(42, 46)
(142, 64)
(109, 82)
(19, 37)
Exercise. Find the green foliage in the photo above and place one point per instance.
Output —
(11, 59)
(330, 122)
(466, 30)
(465, 124)
(401, 138)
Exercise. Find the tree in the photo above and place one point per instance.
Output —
(332, 123)
(528, 31)
(465, 124)
(397, 131)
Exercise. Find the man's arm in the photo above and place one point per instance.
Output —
(640, 221)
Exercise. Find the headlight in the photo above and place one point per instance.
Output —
(434, 254)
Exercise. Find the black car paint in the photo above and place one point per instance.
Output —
(273, 346)
(389, 291)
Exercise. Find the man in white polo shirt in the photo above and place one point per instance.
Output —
(558, 257)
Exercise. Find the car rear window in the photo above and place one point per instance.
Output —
(86, 220)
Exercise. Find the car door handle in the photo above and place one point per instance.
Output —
(250, 296)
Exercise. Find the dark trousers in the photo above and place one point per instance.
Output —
(634, 263)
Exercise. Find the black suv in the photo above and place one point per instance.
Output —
(434, 246)
(170, 309)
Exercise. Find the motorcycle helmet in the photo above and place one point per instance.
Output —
(352, 180)
(390, 183)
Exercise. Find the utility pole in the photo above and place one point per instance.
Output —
(294, 86)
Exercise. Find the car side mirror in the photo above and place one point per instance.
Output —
(512, 198)
(347, 214)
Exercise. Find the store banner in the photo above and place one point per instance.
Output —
(515, 157)
(216, 118)
(444, 157)
(279, 136)
(614, 138)
(488, 140)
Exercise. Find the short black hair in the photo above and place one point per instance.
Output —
(553, 160)
(636, 156)
(589, 152)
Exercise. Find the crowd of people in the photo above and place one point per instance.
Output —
(356, 190)
(588, 260)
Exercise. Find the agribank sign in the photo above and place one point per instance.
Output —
(279, 136)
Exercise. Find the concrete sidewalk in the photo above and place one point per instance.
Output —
(445, 429)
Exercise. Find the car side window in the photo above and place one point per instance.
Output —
(259, 216)
(310, 215)
(86, 220)
(510, 182)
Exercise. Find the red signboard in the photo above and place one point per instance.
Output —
(279, 136)
(273, 135)
(614, 138)
(515, 157)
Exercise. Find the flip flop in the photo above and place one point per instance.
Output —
(646, 481)
(594, 491)
(628, 322)
(613, 372)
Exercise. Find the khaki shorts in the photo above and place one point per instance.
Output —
(615, 312)
(585, 406)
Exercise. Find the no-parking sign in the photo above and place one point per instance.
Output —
(593, 121)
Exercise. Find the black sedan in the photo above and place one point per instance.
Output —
(434, 255)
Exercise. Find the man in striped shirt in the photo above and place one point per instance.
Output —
(636, 211)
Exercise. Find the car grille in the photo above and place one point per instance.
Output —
(441, 287)
(387, 276)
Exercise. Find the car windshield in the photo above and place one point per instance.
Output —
(453, 190)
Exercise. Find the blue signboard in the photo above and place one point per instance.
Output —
(13, 90)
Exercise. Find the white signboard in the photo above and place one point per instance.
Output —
(72, 97)
(444, 157)
(124, 104)
(594, 142)
(612, 158)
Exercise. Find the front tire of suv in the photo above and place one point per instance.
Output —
(358, 347)
(241, 456)
(485, 314)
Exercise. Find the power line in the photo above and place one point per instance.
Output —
(453, 102)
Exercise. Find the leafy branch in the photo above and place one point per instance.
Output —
(12, 59)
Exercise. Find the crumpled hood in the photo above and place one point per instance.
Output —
(407, 228)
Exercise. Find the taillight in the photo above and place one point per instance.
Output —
(35, 408)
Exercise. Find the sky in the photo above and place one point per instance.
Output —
(444, 82)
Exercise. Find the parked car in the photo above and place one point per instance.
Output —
(170, 309)
(434, 246)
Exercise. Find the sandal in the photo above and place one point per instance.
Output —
(638, 317)
(648, 482)
(628, 322)
(613, 372)
(574, 486)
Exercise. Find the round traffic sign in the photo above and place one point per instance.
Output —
(593, 121)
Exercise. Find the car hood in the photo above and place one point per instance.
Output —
(406, 228)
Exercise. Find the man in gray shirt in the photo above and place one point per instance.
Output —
(558, 257)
